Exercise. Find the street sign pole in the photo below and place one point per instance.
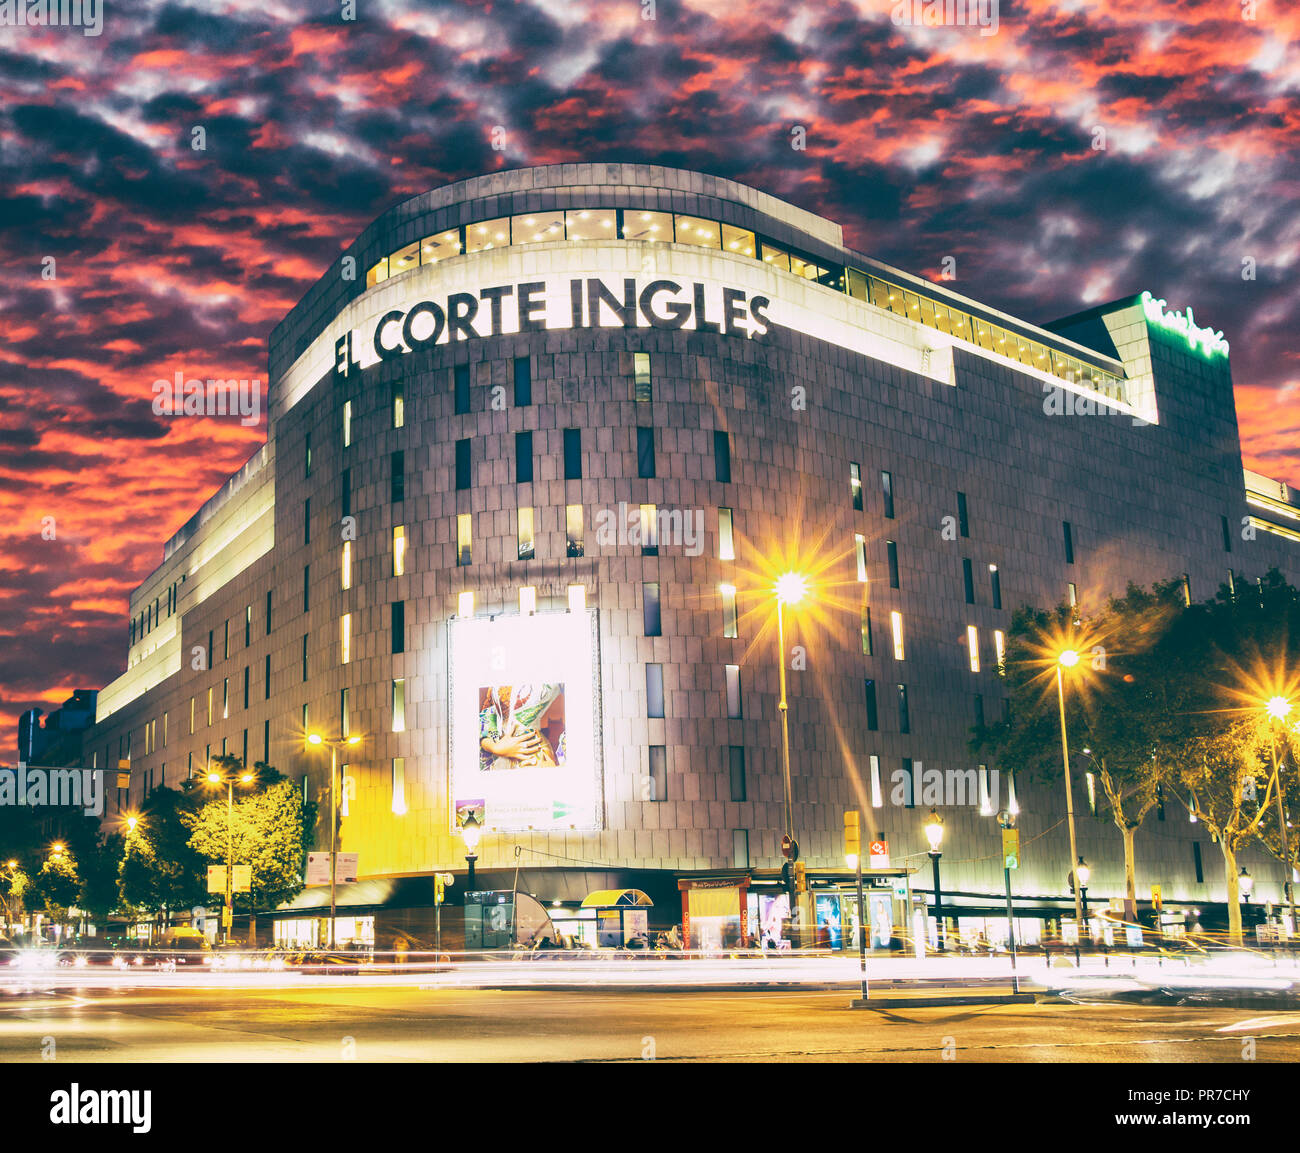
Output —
(1011, 933)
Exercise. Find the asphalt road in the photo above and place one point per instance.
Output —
(324, 1020)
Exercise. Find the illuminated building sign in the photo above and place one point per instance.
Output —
(555, 303)
(1209, 341)
(525, 720)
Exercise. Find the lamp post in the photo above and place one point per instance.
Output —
(227, 778)
(1278, 709)
(934, 834)
(11, 870)
(1007, 820)
(471, 830)
(335, 743)
(791, 588)
(1245, 884)
(1081, 875)
(854, 861)
(1067, 660)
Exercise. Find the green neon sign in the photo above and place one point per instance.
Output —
(1206, 339)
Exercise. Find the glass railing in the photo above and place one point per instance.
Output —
(647, 226)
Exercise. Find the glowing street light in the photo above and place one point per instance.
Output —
(790, 589)
(1081, 875)
(1245, 884)
(471, 831)
(335, 743)
(1068, 659)
(1278, 709)
(934, 834)
(216, 779)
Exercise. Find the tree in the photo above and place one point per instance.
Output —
(159, 872)
(57, 885)
(266, 830)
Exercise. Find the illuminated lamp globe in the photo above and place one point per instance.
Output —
(934, 830)
(471, 830)
(1068, 659)
(1082, 872)
(791, 588)
(1278, 708)
(1245, 882)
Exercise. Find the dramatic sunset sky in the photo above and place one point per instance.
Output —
(922, 142)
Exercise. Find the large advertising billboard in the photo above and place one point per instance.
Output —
(525, 720)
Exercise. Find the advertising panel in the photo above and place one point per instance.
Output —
(525, 720)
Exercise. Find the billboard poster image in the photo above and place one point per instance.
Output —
(525, 727)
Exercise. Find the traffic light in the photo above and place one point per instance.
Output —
(440, 883)
(787, 878)
(800, 877)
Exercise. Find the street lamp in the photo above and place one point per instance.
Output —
(1278, 708)
(216, 779)
(1067, 659)
(1081, 875)
(934, 834)
(1007, 821)
(470, 830)
(790, 589)
(1246, 884)
(335, 743)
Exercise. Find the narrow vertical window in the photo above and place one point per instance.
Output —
(225, 641)
(722, 457)
(963, 524)
(247, 672)
(397, 481)
(345, 638)
(868, 642)
(523, 382)
(654, 690)
(726, 541)
(978, 705)
(210, 717)
(464, 538)
(658, 775)
(904, 715)
(460, 385)
(995, 585)
(527, 542)
(1069, 541)
(192, 710)
(740, 848)
(860, 552)
(345, 721)
(399, 705)
(268, 612)
(1196, 862)
(347, 423)
(399, 405)
(1187, 591)
(399, 785)
(729, 622)
(645, 453)
(1000, 651)
(248, 625)
(1072, 591)
(304, 658)
(968, 579)
(642, 389)
(307, 453)
(462, 464)
(1227, 534)
(986, 800)
(398, 619)
(399, 550)
(345, 486)
(891, 551)
(973, 647)
(650, 609)
(649, 530)
(734, 705)
(877, 792)
(266, 677)
(347, 564)
(896, 627)
(873, 718)
(736, 770)
(887, 491)
(573, 454)
(306, 521)
(306, 588)
(855, 484)
(913, 782)
(573, 544)
(523, 458)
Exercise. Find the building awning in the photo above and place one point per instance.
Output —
(608, 898)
